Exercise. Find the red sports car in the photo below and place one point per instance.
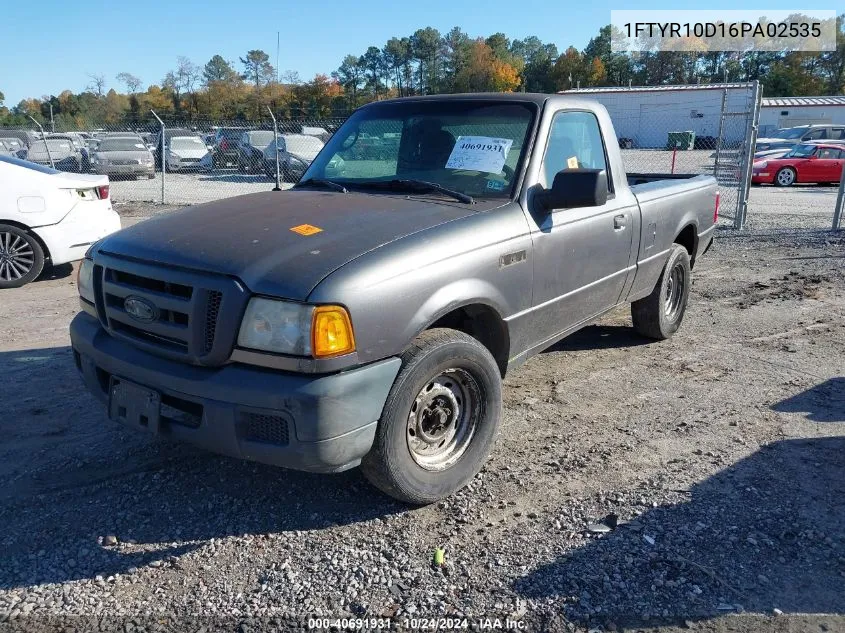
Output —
(818, 162)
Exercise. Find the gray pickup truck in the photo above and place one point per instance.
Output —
(368, 316)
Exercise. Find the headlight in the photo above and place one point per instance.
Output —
(296, 329)
(85, 280)
(762, 165)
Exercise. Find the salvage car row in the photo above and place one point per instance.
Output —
(140, 155)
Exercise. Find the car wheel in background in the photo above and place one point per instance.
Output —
(21, 257)
(785, 177)
(440, 420)
(659, 315)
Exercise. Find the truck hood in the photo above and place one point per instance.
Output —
(250, 237)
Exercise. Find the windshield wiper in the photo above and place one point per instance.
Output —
(322, 182)
(420, 185)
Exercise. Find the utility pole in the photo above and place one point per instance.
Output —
(52, 123)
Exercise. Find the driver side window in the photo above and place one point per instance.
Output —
(575, 141)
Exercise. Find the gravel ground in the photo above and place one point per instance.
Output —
(694, 484)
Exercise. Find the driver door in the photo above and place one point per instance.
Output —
(582, 255)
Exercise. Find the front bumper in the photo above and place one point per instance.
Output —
(125, 170)
(323, 423)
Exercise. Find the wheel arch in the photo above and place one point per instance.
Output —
(481, 321)
(29, 231)
(688, 238)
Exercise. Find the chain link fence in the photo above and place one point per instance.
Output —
(203, 160)
(688, 130)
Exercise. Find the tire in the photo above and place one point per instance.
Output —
(439, 362)
(150, 176)
(659, 315)
(785, 177)
(21, 257)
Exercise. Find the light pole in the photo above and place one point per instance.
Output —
(278, 186)
(44, 138)
(163, 150)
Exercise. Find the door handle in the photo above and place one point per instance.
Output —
(619, 223)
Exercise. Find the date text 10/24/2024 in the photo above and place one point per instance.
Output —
(418, 624)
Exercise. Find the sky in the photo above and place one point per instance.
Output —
(58, 46)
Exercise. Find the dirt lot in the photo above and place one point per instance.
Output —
(721, 452)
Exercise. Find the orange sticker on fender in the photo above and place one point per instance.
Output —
(306, 229)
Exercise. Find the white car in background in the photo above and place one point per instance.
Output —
(48, 217)
(185, 152)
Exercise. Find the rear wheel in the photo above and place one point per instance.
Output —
(785, 177)
(21, 257)
(440, 419)
(659, 315)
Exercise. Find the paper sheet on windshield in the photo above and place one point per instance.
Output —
(479, 153)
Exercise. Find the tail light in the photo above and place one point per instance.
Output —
(103, 192)
(716, 210)
(224, 145)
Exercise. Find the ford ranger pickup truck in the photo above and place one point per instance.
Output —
(367, 316)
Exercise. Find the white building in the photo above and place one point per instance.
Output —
(779, 112)
(646, 114)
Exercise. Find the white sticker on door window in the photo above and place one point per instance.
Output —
(479, 153)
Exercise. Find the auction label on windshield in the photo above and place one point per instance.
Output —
(479, 153)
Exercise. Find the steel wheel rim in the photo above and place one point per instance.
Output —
(674, 291)
(785, 177)
(443, 419)
(17, 256)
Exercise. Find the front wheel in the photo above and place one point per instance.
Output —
(440, 420)
(21, 257)
(785, 177)
(659, 315)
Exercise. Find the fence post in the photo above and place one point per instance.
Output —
(44, 139)
(278, 186)
(722, 113)
(748, 157)
(163, 151)
(840, 198)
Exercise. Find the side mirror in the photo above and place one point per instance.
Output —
(575, 188)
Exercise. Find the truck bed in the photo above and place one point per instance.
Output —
(637, 178)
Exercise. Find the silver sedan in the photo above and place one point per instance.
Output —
(123, 156)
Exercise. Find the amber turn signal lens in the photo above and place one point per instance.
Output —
(331, 332)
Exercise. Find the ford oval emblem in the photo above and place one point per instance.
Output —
(140, 309)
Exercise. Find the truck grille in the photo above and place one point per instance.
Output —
(213, 311)
(166, 311)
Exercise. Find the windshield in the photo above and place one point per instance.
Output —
(303, 144)
(801, 151)
(473, 147)
(55, 145)
(260, 138)
(192, 142)
(794, 132)
(12, 143)
(27, 165)
(122, 145)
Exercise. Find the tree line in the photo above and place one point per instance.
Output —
(425, 62)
